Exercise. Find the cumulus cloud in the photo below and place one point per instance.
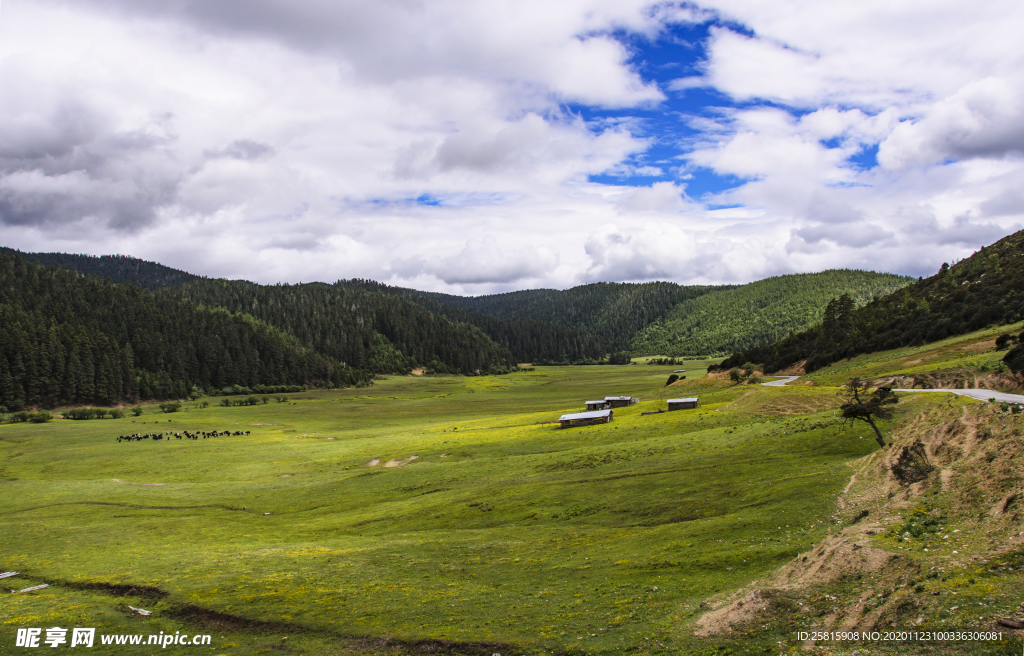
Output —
(982, 119)
(457, 145)
(481, 261)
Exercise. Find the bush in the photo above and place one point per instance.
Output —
(40, 417)
(21, 416)
(79, 414)
(620, 357)
(136, 411)
(265, 399)
(671, 379)
(173, 406)
(117, 413)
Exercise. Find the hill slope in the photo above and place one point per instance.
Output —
(528, 340)
(69, 338)
(614, 312)
(366, 330)
(757, 314)
(973, 293)
(119, 268)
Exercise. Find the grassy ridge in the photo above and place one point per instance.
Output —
(974, 293)
(757, 314)
(520, 533)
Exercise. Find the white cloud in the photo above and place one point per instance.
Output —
(982, 119)
(481, 261)
(442, 144)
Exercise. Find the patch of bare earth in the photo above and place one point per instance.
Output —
(399, 463)
(966, 451)
(795, 369)
(418, 372)
(951, 379)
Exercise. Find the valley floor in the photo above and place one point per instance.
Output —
(452, 515)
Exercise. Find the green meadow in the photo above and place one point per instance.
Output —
(433, 514)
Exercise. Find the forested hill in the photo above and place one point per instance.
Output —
(374, 331)
(615, 312)
(757, 314)
(119, 268)
(528, 340)
(984, 289)
(69, 338)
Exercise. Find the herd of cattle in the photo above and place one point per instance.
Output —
(184, 434)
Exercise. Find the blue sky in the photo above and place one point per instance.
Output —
(475, 147)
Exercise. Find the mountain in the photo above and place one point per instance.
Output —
(528, 340)
(69, 338)
(615, 312)
(119, 268)
(375, 331)
(979, 291)
(757, 314)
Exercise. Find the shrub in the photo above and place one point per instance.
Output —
(172, 406)
(265, 399)
(117, 413)
(40, 417)
(136, 411)
(671, 379)
(21, 416)
(79, 414)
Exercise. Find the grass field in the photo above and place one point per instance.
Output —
(423, 514)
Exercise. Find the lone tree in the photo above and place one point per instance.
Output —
(867, 407)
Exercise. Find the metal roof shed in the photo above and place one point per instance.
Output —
(585, 418)
(620, 401)
(683, 404)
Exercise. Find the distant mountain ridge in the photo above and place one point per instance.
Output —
(613, 311)
(119, 268)
(386, 329)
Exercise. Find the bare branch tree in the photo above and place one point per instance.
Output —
(867, 406)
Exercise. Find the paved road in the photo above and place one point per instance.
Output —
(980, 394)
(780, 383)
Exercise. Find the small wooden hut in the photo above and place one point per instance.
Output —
(585, 418)
(683, 404)
(620, 401)
(597, 405)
